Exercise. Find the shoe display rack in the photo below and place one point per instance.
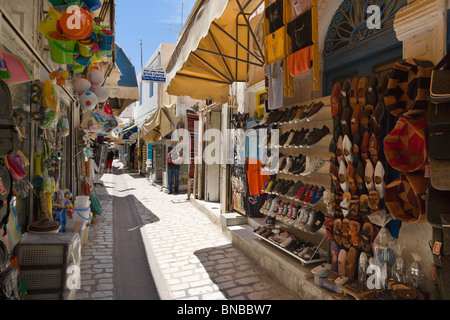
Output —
(301, 176)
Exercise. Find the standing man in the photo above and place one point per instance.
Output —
(109, 160)
(174, 159)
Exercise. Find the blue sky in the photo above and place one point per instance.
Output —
(151, 21)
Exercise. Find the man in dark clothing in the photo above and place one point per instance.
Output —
(109, 161)
(174, 159)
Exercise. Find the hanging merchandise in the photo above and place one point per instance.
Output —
(13, 69)
(83, 17)
(63, 126)
(6, 193)
(60, 76)
(405, 147)
(62, 50)
(9, 135)
(93, 5)
(81, 85)
(88, 101)
(409, 88)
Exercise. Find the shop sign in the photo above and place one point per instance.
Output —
(153, 75)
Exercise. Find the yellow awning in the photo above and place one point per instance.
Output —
(160, 124)
(215, 50)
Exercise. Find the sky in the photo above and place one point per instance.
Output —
(151, 21)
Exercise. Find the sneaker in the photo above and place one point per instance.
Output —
(309, 194)
(317, 196)
(313, 165)
(294, 215)
(314, 110)
(316, 135)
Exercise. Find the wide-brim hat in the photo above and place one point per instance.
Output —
(408, 90)
(405, 147)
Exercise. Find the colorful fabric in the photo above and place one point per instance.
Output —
(405, 147)
(300, 61)
(408, 90)
(275, 45)
(256, 180)
(192, 118)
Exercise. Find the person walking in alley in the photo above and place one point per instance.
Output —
(109, 160)
(174, 159)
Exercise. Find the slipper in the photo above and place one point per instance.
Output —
(351, 263)
(347, 149)
(334, 256)
(334, 173)
(355, 228)
(366, 236)
(328, 224)
(353, 92)
(365, 146)
(368, 176)
(332, 149)
(359, 177)
(351, 173)
(346, 121)
(374, 149)
(346, 239)
(345, 102)
(354, 208)
(336, 100)
(356, 119)
(372, 94)
(343, 176)
(341, 281)
(337, 234)
(345, 203)
(366, 115)
(340, 149)
(374, 201)
(379, 179)
(364, 204)
(401, 290)
(362, 91)
(341, 262)
(356, 144)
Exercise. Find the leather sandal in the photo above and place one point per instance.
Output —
(362, 91)
(353, 92)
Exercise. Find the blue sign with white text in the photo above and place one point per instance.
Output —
(153, 76)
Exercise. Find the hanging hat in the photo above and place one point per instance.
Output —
(405, 197)
(408, 90)
(405, 147)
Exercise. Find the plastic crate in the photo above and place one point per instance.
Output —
(326, 284)
(44, 279)
(49, 250)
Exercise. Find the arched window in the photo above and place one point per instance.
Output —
(353, 49)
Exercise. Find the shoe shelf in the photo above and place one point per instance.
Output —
(303, 260)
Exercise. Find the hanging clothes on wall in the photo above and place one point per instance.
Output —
(300, 31)
(275, 74)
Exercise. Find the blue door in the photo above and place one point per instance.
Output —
(352, 50)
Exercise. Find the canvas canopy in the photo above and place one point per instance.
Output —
(160, 124)
(215, 50)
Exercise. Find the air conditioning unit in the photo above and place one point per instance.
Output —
(50, 265)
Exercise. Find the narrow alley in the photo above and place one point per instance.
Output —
(188, 255)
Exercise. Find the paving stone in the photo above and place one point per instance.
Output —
(197, 261)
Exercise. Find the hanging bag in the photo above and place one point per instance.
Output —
(440, 82)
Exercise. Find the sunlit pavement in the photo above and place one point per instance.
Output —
(189, 256)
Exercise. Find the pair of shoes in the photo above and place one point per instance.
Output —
(315, 135)
(314, 110)
(312, 165)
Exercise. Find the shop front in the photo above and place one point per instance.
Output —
(336, 163)
(56, 127)
(370, 231)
